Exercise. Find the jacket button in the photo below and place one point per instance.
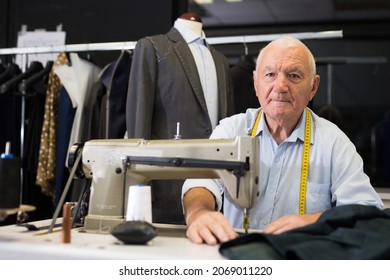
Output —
(207, 131)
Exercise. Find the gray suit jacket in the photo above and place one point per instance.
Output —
(165, 88)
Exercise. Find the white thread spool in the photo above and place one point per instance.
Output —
(139, 204)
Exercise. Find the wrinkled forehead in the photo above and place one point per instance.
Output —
(278, 55)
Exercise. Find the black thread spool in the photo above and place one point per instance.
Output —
(9, 183)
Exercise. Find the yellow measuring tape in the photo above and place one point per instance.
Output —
(305, 158)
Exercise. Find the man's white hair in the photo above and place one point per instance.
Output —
(288, 41)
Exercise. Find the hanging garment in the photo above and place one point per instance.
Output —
(115, 78)
(65, 122)
(2, 69)
(12, 84)
(47, 151)
(35, 89)
(78, 80)
(10, 112)
(11, 70)
(66, 114)
(98, 116)
(380, 137)
(243, 85)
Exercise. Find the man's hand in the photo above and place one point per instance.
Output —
(210, 227)
(204, 223)
(289, 222)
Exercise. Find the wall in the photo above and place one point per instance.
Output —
(90, 21)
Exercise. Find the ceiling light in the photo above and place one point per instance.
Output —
(204, 2)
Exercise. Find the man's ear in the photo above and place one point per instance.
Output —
(255, 81)
(316, 84)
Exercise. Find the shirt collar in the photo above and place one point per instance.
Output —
(188, 35)
(298, 132)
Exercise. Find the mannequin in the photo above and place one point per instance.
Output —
(165, 88)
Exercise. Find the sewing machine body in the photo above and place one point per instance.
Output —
(106, 162)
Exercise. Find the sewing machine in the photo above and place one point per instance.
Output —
(113, 165)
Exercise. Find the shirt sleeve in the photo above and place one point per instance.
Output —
(214, 186)
(227, 128)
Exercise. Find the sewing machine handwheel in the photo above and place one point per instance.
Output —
(74, 151)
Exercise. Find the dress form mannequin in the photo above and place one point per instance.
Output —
(163, 73)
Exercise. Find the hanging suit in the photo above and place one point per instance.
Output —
(165, 88)
(115, 78)
(243, 85)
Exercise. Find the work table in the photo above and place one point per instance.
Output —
(17, 242)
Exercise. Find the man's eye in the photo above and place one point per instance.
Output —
(295, 76)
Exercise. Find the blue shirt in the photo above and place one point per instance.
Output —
(336, 175)
(206, 68)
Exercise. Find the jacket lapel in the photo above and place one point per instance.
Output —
(187, 61)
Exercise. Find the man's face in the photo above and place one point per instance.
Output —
(283, 81)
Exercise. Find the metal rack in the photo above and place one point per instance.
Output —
(110, 46)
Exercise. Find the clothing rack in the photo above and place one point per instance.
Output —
(130, 45)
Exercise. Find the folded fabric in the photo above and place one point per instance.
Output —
(350, 232)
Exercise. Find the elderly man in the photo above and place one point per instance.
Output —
(291, 136)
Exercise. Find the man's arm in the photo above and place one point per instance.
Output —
(205, 224)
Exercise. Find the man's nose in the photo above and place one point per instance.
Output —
(281, 83)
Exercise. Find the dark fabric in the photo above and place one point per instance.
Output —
(350, 232)
(98, 114)
(66, 114)
(381, 151)
(10, 110)
(10, 71)
(32, 195)
(2, 69)
(115, 77)
(243, 85)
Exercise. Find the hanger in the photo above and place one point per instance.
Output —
(245, 48)
(11, 71)
(26, 83)
(35, 67)
(246, 58)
